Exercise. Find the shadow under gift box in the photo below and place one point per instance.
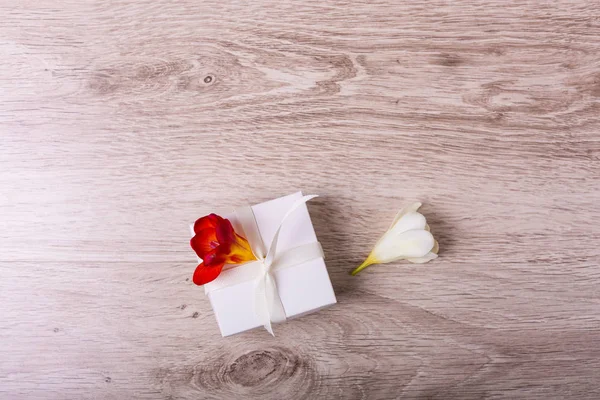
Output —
(303, 288)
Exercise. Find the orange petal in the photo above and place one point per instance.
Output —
(214, 257)
(225, 233)
(209, 221)
(204, 242)
(205, 274)
(240, 251)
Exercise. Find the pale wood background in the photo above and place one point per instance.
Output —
(121, 121)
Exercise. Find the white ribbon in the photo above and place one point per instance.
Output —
(267, 303)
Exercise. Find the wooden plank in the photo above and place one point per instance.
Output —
(122, 121)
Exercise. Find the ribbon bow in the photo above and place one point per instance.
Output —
(267, 303)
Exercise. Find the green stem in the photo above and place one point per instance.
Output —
(368, 261)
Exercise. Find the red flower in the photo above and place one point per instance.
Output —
(217, 244)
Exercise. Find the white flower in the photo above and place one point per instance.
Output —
(407, 239)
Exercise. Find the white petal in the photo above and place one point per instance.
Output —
(411, 244)
(421, 260)
(409, 221)
(412, 208)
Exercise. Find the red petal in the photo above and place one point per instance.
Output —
(205, 274)
(209, 221)
(204, 242)
(214, 257)
(225, 234)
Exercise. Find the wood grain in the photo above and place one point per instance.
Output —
(123, 120)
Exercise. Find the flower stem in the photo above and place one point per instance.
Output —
(365, 264)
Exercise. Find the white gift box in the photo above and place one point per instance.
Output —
(302, 288)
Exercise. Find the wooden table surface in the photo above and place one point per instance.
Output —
(122, 121)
